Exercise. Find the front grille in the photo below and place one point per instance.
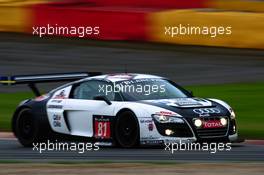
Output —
(212, 132)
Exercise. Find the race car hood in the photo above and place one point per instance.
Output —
(190, 107)
(183, 102)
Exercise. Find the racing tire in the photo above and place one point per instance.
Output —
(127, 130)
(26, 127)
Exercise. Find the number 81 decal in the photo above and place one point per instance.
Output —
(102, 127)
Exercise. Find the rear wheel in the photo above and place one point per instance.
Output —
(25, 127)
(127, 130)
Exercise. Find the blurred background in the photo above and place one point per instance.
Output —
(132, 37)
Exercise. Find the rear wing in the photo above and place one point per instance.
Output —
(32, 80)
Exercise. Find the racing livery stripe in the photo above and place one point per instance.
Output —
(187, 112)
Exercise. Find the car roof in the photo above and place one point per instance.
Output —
(123, 77)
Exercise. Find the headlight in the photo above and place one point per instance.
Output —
(233, 115)
(223, 121)
(198, 122)
(167, 118)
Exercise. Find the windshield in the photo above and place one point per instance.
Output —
(150, 89)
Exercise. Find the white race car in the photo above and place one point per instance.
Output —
(124, 109)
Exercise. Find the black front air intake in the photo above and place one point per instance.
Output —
(179, 129)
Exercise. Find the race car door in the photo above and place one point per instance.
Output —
(86, 116)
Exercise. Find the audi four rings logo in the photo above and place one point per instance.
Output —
(203, 111)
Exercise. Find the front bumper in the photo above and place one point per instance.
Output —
(167, 140)
(233, 138)
(189, 133)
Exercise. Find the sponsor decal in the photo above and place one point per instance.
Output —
(148, 123)
(56, 120)
(180, 102)
(102, 127)
(56, 101)
(150, 126)
(212, 124)
(56, 124)
(141, 80)
(151, 142)
(55, 106)
(104, 143)
(146, 120)
(165, 113)
(186, 103)
(56, 117)
(61, 95)
(120, 76)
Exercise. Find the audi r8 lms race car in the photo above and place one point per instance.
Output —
(125, 109)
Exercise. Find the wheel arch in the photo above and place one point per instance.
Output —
(38, 113)
(124, 110)
(15, 115)
(130, 110)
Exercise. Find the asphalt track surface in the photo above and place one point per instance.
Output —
(12, 150)
(187, 65)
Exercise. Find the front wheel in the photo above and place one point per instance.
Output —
(25, 127)
(127, 130)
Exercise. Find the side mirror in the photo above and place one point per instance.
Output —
(103, 98)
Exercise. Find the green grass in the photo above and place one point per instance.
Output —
(245, 98)
(8, 104)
